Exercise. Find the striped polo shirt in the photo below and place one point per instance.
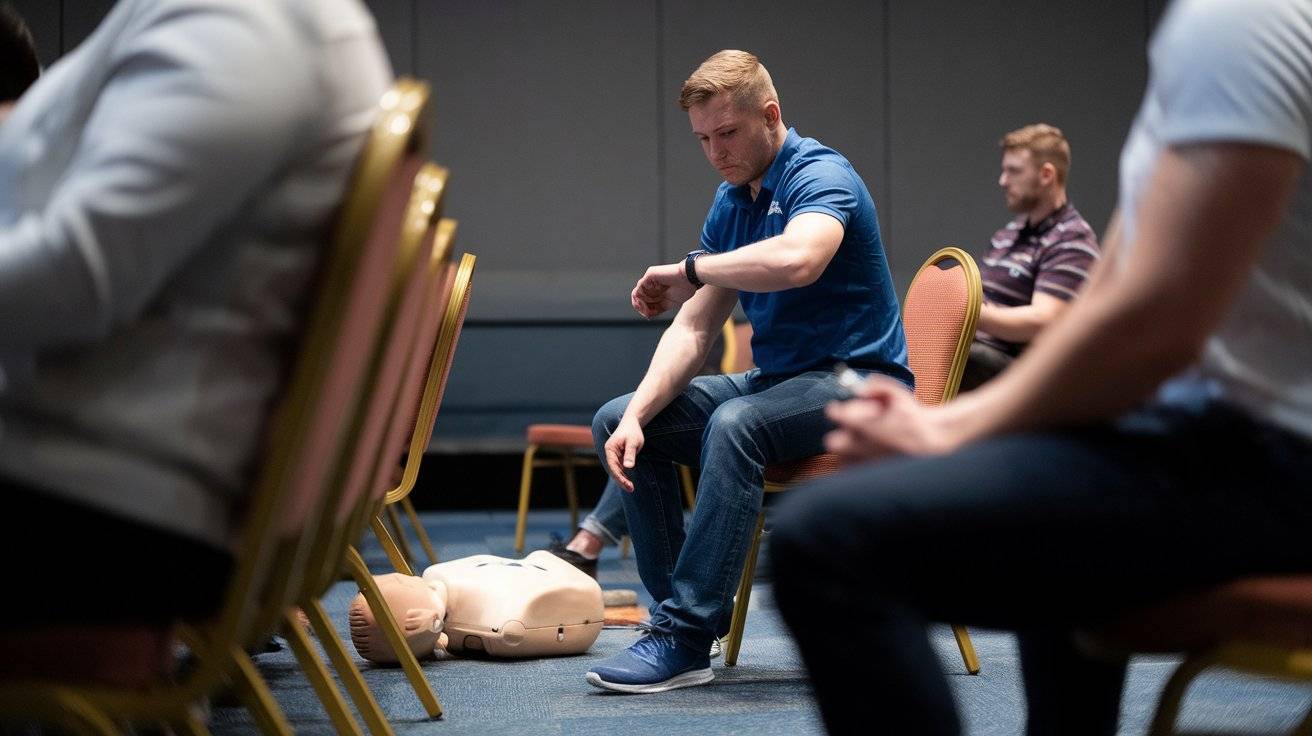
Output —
(1054, 257)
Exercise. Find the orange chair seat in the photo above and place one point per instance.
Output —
(577, 436)
(800, 471)
(1273, 611)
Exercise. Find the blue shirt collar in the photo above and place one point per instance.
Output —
(742, 195)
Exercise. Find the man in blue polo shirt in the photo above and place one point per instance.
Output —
(792, 233)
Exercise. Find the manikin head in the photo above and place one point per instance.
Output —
(734, 111)
(419, 605)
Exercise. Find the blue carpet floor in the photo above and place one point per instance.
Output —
(767, 693)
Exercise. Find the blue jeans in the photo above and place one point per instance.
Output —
(1044, 533)
(731, 426)
(607, 518)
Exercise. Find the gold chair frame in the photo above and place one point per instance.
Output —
(1267, 661)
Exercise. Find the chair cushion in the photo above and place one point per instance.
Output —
(799, 471)
(1274, 611)
(561, 435)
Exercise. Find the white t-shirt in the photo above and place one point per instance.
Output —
(1241, 71)
(166, 191)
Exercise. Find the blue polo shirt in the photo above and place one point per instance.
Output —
(851, 312)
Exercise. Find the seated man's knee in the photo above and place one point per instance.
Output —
(733, 419)
(607, 419)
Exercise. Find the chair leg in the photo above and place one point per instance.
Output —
(72, 712)
(365, 703)
(392, 630)
(1305, 727)
(571, 491)
(420, 532)
(254, 693)
(967, 648)
(1168, 707)
(317, 672)
(398, 534)
(394, 555)
(685, 479)
(739, 621)
(525, 486)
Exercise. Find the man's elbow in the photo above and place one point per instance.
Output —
(801, 270)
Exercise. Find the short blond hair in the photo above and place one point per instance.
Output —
(1046, 145)
(737, 73)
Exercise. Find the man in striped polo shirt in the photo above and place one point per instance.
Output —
(1038, 261)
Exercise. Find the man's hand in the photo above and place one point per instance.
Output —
(622, 450)
(661, 288)
(884, 419)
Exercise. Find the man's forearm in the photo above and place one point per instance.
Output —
(795, 257)
(679, 355)
(1015, 324)
(1118, 337)
(773, 264)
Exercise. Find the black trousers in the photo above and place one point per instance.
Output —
(985, 362)
(71, 564)
(1041, 534)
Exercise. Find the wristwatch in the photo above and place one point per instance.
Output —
(690, 267)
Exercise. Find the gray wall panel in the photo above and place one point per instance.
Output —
(545, 113)
(81, 18)
(505, 377)
(832, 91)
(397, 27)
(963, 74)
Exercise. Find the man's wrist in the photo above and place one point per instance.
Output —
(689, 268)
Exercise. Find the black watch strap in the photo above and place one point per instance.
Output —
(690, 267)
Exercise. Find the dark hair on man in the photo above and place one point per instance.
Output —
(19, 67)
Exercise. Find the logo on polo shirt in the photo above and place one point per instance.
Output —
(775, 209)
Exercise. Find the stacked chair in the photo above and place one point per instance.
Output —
(364, 387)
(407, 372)
(939, 313)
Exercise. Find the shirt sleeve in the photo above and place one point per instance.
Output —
(822, 186)
(202, 108)
(1228, 71)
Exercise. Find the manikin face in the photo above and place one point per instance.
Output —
(737, 142)
(1022, 180)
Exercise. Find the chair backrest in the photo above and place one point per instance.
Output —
(423, 362)
(939, 314)
(418, 430)
(304, 432)
(411, 279)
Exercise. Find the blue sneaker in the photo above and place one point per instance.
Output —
(653, 664)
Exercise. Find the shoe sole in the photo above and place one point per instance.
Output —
(687, 679)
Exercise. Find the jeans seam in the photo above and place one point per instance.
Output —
(670, 430)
